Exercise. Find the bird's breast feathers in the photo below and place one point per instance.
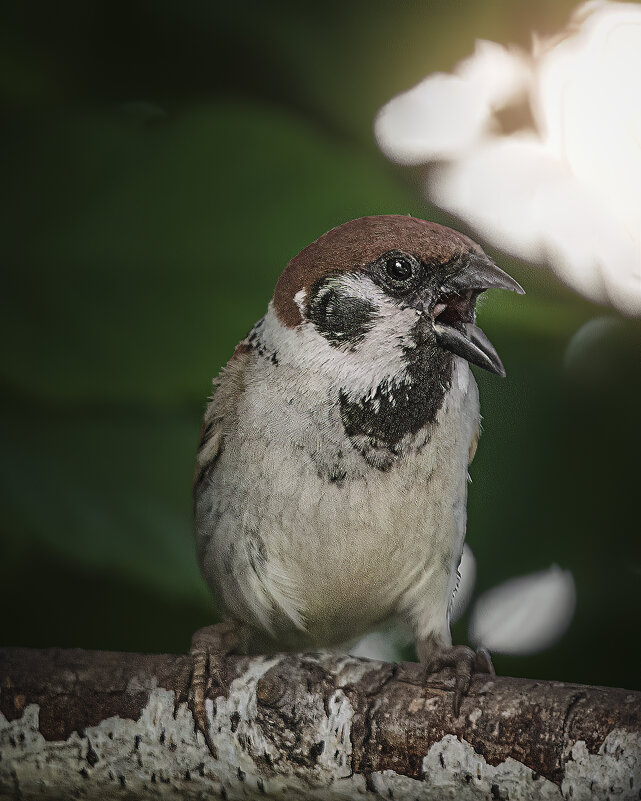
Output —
(317, 540)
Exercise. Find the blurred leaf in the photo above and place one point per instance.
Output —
(159, 242)
(334, 62)
(555, 478)
(59, 602)
(110, 491)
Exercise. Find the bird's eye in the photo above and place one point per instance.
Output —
(398, 268)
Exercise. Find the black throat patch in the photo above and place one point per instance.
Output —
(377, 425)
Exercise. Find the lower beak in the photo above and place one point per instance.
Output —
(454, 315)
(471, 344)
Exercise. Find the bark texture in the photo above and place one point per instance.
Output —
(95, 725)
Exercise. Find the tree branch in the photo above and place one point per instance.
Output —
(96, 725)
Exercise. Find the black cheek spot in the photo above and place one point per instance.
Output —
(340, 317)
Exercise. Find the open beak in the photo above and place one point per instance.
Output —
(453, 312)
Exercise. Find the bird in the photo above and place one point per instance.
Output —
(330, 485)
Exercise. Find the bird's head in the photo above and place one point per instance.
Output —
(392, 283)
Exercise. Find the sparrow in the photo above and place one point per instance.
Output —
(331, 478)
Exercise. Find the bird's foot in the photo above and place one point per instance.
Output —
(209, 647)
(463, 660)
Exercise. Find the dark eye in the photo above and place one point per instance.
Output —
(398, 268)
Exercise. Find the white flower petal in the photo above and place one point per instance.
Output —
(439, 118)
(385, 644)
(467, 572)
(498, 75)
(526, 614)
(494, 188)
(512, 192)
(379, 645)
(588, 101)
(567, 194)
(444, 115)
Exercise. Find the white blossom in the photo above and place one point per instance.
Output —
(564, 186)
(379, 645)
(525, 614)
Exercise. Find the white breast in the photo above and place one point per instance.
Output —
(318, 562)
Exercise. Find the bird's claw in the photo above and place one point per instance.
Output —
(464, 662)
(209, 646)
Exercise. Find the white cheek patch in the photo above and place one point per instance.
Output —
(384, 346)
(361, 287)
(379, 357)
(300, 299)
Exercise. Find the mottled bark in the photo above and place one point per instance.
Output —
(94, 725)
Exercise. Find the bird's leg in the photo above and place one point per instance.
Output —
(435, 655)
(209, 647)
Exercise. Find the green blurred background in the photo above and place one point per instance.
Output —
(161, 163)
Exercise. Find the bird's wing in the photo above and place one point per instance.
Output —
(221, 413)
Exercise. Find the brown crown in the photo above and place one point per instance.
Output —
(358, 243)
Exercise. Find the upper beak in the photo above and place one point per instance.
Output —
(454, 312)
(481, 273)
